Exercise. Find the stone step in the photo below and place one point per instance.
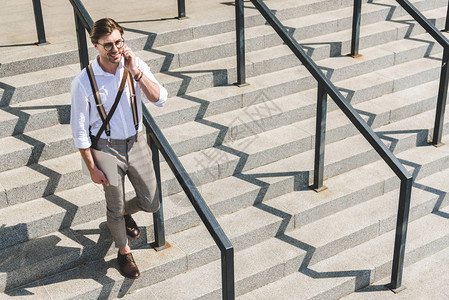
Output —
(44, 83)
(270, 114)
(205, 166)
(37, 114)
(433, 267)
(33, 115)
(64, 208)
(371, 35)
(49, 111)
(22, 112)
(287, 258)
(35, 146)
(178, 212)
(42, 179)
(356, 268)
(266, 221)
(212, 101)
(257, 267)
(256, 38)
(88, 248)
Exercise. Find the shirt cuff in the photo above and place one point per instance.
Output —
(163, 94)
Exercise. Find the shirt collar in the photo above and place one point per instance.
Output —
(96, 68)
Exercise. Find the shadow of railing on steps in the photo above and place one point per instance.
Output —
(438, 36)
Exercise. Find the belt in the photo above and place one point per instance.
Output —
(128, 140)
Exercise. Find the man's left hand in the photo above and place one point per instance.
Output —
(130, 60)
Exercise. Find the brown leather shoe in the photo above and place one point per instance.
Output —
(127, 266)
(131, 227)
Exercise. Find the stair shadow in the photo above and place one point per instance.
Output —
(407, 22)
(15, 260)
(219, 76)
(63, 112)
(361, 277)
(232, 3)
(8, 92)
(421, 137)
(92, 254)
(442, 195)
(18, 232)
(18, 45)
(146, 21)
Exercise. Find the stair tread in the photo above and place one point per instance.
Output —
(226, 156)
(271, 215)
(196, 129)
(69, 71)
(355, 262)
(433, 266)
(243, 269)
(252, 168)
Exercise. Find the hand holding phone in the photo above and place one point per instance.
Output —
(130, 60)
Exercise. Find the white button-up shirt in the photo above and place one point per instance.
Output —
(84, 112)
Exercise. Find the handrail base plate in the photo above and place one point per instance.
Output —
(437, 145)
(397, 290)
(158, 249)
(323, 188)
(355, 56)
(241, 84)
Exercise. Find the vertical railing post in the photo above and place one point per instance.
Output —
(441, 102)
(82, 43)
(401, 234)
(182, 9)
(446, 27)
(39, 19)
(227, 274)
(158, 217)
(356, 28)
(320, 139)
(240, 32)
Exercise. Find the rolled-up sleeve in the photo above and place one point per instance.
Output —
(79, 115)
(163, 94)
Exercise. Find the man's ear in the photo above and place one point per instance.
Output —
(96, 46)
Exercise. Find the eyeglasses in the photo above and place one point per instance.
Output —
(119, 44)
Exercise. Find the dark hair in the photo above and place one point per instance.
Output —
(103, 27)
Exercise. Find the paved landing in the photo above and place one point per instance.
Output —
(18, 31)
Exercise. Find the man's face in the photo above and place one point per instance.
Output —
(113, 55)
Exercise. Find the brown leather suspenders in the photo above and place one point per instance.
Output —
(106, 118)
(133, 101)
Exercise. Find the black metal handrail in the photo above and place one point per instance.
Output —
(158, 142)
(325, 86)
(83, 23)
(440, 38)
(39, 20)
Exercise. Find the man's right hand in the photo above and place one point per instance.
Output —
(98, 177)
(96, 174)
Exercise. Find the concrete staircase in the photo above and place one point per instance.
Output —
(249, 151)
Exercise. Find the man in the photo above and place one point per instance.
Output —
(124, 139)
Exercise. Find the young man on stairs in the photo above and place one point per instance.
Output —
(94, 93)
